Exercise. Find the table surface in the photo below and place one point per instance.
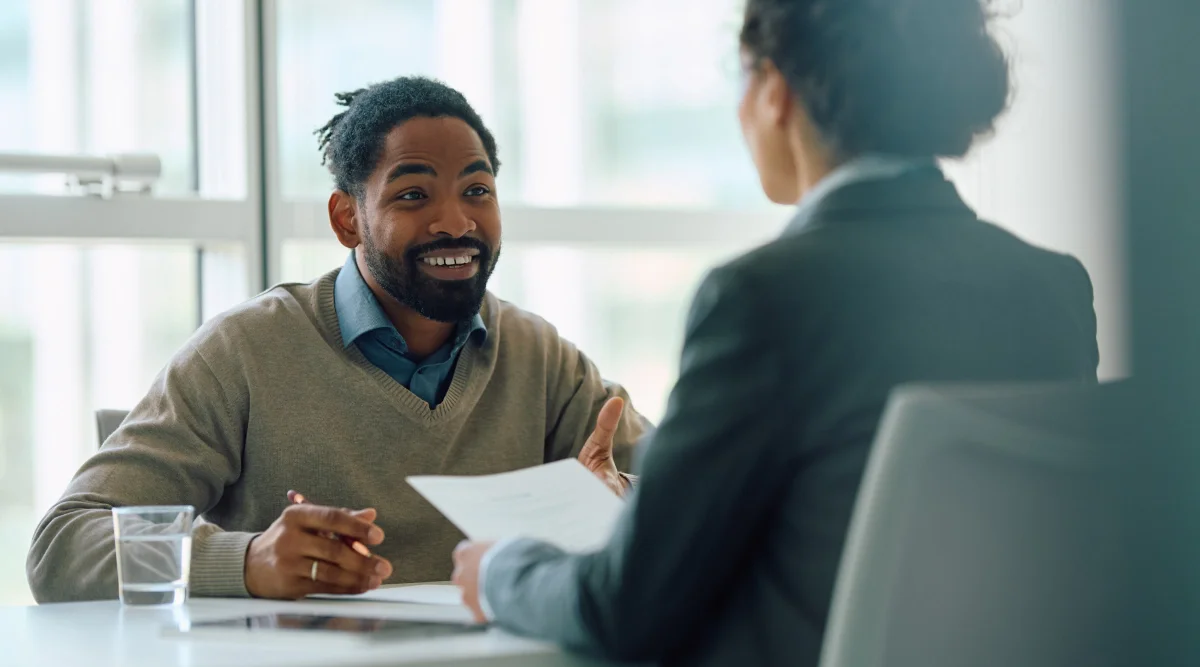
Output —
(108, 634)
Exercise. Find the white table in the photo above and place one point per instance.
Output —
(109, 635)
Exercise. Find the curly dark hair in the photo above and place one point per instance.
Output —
(352, 141)
(905, 77)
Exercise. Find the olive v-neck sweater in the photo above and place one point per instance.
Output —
(266, 398)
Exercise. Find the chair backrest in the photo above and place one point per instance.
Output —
(107, 421)
(984, 534)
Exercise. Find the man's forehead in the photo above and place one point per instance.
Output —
(443, 138)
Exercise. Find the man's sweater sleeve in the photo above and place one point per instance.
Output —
(181, 445)
(576, 392)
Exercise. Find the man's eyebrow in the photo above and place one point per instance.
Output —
(406, 168)
(476, 167)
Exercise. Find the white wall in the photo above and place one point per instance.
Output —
(1050, 174)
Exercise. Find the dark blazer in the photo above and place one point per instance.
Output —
(728, 550)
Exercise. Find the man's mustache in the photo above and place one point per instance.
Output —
(464, 243)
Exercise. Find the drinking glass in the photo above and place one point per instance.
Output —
(154, 553)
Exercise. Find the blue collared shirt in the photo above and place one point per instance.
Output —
(363, 323)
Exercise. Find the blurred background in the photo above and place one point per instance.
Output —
(624, 179)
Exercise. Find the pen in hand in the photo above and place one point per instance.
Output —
(299, 499)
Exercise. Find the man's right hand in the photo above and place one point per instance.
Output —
(279, 562)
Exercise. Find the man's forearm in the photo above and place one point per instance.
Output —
(73, 556)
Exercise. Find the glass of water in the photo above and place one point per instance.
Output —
(154, 553)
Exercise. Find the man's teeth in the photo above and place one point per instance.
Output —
(447, 261)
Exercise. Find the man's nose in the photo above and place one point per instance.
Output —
(452, 220)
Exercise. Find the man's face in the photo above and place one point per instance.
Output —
(429, 219)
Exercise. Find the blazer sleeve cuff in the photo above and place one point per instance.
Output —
(484, 564)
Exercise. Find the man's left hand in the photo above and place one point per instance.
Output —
(467, 556)
(597, 452)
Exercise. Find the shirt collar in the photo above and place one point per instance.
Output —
(862, 168)
(473, 329)
(359, 312)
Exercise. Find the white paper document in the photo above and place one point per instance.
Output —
(435, 594)
(562, 503)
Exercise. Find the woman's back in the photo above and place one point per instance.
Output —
(887, 282)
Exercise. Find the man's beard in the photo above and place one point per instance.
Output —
(439, 300)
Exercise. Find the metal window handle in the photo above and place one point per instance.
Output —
(101, 176)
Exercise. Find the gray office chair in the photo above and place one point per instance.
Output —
(107, 421)
(986, 533)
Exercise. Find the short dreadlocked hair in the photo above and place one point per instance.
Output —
(352, 141)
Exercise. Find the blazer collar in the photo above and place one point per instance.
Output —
(921, 190)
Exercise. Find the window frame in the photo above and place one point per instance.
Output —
(203, 219)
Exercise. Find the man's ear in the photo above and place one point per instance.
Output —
(343, 218)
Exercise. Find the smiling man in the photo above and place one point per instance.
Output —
(399, 363)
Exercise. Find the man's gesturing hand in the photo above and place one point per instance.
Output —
(597, 452)
(279, 563)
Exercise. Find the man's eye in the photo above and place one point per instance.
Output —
(476, 191)
(411, 195)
